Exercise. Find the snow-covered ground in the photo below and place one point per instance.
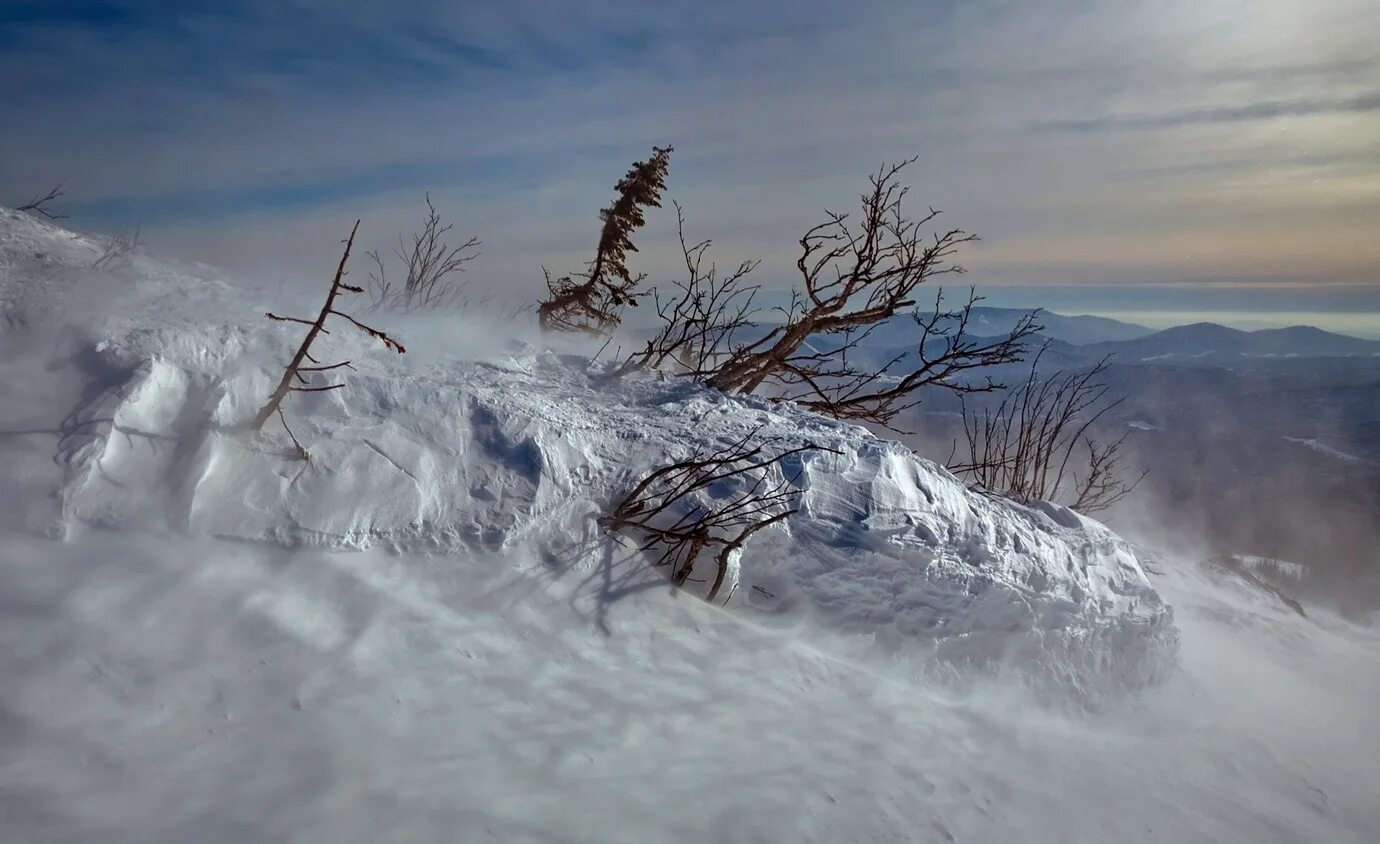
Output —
(177, 690)
(421, 635)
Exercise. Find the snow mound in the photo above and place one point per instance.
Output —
(521, 453)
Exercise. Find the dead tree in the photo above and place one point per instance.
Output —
(430, 266)
(855, 277)
(118, 250)
(1027, 447)
(591, 302)
(829, 381)
(700, 319)
(39, 204)
(293, 381)
(676, 525)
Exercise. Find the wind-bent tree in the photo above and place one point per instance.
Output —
(856, 274)
(293, 381)
(590, 302)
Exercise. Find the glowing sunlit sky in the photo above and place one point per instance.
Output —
(1196, 157)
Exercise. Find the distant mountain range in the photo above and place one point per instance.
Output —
(989, 322)
(1076, 339)
(1074, 342)
(1266, 440)
(1130, 342)
(1077, 330)
(1206, 339)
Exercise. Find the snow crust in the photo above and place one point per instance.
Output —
(524, 451)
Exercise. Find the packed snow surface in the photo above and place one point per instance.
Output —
(422, 633)
(525, 451)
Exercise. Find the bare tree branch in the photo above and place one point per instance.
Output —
(677, 525)
(1023, 448)
(301, 452)
(295, 368)
(829, 382)
(855, 277)
(119, 249)
(700, 319)
(39, 204)
(430, 266)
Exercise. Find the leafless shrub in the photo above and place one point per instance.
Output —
(118, 250)
(676, 526)
(857, 276)
(293, 381)
(1026, 448)
(430, 269)
(700, 318)
(591, 302)
(39, 204)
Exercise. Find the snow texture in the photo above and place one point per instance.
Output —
(526, 451)
(421, 634)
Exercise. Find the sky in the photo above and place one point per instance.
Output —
(1162, 161)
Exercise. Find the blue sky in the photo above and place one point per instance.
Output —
(1126, 155)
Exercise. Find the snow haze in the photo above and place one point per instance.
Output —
(420, 634)
(441, 593)
(1198, 157)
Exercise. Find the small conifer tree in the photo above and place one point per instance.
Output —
(590, 302)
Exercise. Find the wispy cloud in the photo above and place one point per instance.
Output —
(1220, 114)
(1101, 138)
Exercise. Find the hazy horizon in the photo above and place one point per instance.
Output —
(1363, 325)
(1209, 158)
(1136, 306)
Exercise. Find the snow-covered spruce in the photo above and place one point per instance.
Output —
(523, 452)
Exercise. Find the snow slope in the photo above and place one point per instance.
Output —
(172, 690)
(420, 635)
(445, 454)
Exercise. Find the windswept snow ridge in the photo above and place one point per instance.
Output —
(522, 452)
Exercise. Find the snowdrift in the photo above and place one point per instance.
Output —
(142, 381)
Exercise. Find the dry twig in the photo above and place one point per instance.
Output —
(118, 250)
(293, 381)
(677, 525)
(430, 266)
(701, 319)
(39, 204)
(1025, 448)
